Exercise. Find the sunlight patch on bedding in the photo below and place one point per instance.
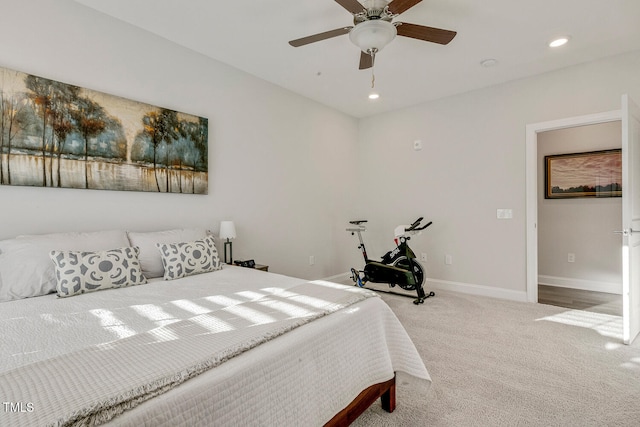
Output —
(164, 334)
(50, 318)
(155, 314)
(272, 291)
(190, 306)
(222, 300)
(286, 308)
(311, 301)
(347, 288)
(250, 295)
(111, 323)
(605, 324)
(212, 323)
(303, 299)
(253, 316)
(351, 310)
(332, 285)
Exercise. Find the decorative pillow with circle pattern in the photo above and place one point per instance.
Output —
(189, 258)
(80, 272)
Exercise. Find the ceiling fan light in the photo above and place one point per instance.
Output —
(561, 41)
(370, 35)
(374, 95)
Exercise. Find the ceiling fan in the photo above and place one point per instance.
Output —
(373, 29)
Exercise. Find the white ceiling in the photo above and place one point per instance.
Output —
(252, 35)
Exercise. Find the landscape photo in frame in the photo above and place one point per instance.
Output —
(589, 174)
(54, 134)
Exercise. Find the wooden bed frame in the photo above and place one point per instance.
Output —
(386, 391)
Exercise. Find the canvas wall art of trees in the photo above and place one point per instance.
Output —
(54, 134)
(589, 174)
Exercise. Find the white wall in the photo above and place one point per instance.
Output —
(473, 163)
(282, 167)
(581, 226)
(279, 164)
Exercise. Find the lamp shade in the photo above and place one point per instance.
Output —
(227, 230)
(372, 35)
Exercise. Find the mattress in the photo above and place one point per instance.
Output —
(303, 374)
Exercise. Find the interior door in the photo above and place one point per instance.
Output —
(630, 219)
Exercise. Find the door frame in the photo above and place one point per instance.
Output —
(531, 170)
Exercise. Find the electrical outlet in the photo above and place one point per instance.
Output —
(312, 260)
(423, 256)
(571, 257)
(448, 259)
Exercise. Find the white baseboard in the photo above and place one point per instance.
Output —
(465, 288)
(587, 285)
(473, 289)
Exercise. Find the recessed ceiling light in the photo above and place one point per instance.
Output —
(374, 95)
(489, 62)
(560, 41)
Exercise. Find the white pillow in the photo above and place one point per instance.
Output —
(80, 272)
(150, 259)
(26, 269)
(189, 258)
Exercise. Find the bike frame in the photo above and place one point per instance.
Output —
(361, 247)
(401, 250)
(387, 270)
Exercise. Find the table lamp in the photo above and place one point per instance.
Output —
(227, 231)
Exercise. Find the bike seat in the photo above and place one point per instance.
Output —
(358, 222)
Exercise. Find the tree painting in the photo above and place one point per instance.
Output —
(589, 174)
(53, 134)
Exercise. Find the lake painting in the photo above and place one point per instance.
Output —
(589, 174)
(53, 134)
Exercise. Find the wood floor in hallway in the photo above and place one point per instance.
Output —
(597, 302)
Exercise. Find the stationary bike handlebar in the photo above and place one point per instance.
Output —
(414, 226)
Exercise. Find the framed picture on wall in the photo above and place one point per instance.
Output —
(54, 134)
(589, 174)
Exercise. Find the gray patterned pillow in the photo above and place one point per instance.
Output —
(188, 258)
(80, 272)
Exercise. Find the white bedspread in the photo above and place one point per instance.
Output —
(306, 375)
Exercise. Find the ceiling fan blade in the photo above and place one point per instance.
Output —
(365, 61)
(352, 6)
(398, 6)
(320, 36)
(429, 34)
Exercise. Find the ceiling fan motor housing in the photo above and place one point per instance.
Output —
(373, 10)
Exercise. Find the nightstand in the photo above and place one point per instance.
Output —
(262, 267)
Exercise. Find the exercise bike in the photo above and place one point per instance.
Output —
(397, 267)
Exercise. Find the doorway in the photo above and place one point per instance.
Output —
(579, 257)
(532, 132)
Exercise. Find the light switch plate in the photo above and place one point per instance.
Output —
(504, 213)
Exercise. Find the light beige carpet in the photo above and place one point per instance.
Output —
(503, 363)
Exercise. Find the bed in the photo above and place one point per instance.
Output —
(227, 346)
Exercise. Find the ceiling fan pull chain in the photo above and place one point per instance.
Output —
(372, 52)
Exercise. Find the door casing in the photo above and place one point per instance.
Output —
(531, 169)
